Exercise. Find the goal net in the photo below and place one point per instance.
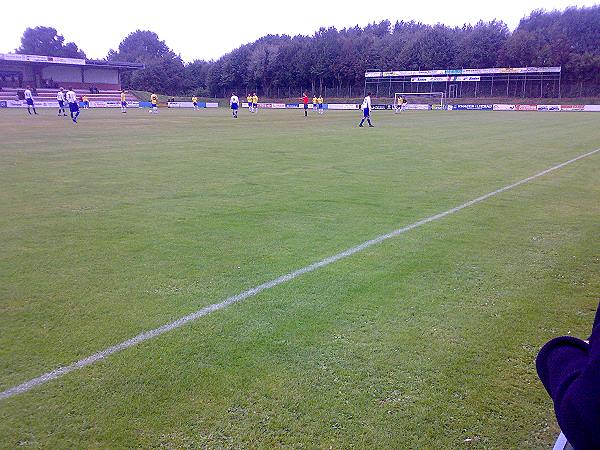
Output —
(404, 99)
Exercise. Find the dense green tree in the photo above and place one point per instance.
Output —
(141, 46)
(277, 65)
(46, 41)
(280, 64)
(164, 71)
(479, 46)
(194, 77)
(340, 58)
(570, 39)
(160, 75)
(521, 49)
(428, 48)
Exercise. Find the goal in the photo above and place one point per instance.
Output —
(420, 98)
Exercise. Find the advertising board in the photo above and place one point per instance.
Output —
(443, 79)
(180, 104)
(595, 108)
(416, 106)
(380, 107)
(548, 107)
(343, 106)
(572, 107)
(503, 107)
(23, 104)
(272, 105)
(487, 71)
(41, 59)
(111, 104)
(191, 105)
(473, 107)
(526, 107)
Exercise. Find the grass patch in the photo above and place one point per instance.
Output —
(122, 223)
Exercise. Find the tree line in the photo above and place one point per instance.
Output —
(281, 65)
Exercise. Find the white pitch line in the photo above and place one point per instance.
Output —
(28, 385)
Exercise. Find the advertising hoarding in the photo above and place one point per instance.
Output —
(526, 107)
(548, 107)
(488, 71)
(416, 106)
(572, 107)
(503, 107)
(343, 106)
(473, 107)
(444, 79)
(41, 59)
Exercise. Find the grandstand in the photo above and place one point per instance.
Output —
(99, 80)
(499, 82)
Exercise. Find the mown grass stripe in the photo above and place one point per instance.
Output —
(61, 371)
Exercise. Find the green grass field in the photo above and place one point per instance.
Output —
(122, 223)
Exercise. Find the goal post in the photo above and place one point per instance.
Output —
(420, 98)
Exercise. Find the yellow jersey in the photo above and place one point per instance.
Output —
(314, 100)
(320, 100)
(85, 98)
(254, 99)
(249, 99)
(195, 99)
(122, 96)
(154, 99)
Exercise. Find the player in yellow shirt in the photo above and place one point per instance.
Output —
(314, 103)
(86, 102)
(320, 104)
(123, 102)
(400, 102)
(154, 101)
(249, 100)
(254, 103)
(195, 102)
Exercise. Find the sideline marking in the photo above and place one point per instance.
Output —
(28, 385)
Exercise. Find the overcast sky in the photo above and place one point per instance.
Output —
(206, 29)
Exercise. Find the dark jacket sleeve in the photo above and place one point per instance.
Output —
(569, 368)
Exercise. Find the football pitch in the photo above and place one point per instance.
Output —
(124, 223)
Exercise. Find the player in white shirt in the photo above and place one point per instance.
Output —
(29, 100)
(234, 102)
(366, 107)
(73, 105)
(60, 97)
